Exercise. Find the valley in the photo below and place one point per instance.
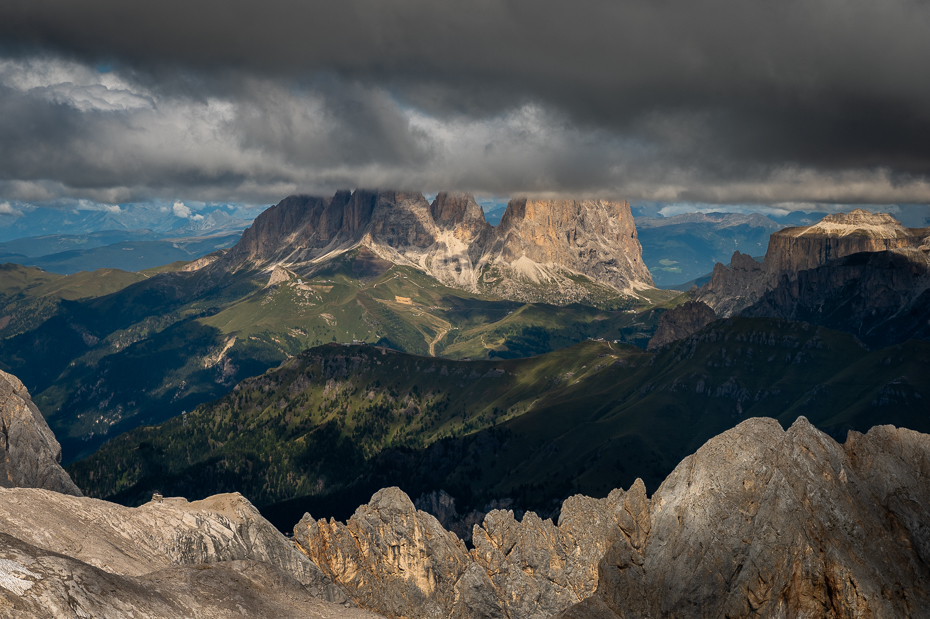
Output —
(336, 423)
(198, 328)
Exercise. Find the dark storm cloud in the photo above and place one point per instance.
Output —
(713, 100)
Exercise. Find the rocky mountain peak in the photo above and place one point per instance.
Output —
(451, 209)
(792, 251)
(537, 253)
(801, 525)
(759, 522)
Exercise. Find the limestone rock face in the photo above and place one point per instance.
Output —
(537, 253)
(400, 562)
(766, 523)
(822, 246)
(29, 454)
(135, 541)
(680, 322)
(835, 236)
(389, 557)
(37, 583)
(542, 242)
(881, 297)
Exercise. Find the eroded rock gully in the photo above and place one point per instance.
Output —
(760, 522)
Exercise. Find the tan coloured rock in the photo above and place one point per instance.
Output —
(389, 557)
(545, 242)
(795, 250)
(30, 456)
(400, 562)
(537, 253)
(766, 523)
(805, 247)
(158, 535)
(40, 584)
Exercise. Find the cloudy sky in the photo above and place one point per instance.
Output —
(778, 102)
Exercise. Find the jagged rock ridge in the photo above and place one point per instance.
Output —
(398, 561)
(536, 253)
(759, 522)
(30, 456)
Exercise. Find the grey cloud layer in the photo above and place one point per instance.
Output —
(722, 100)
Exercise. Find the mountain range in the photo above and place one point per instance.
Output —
(556, 251)
(352, 344)
(759, 521)
(358, 266)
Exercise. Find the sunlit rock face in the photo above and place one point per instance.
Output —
(544, 250)
(29, 454)
(761, 522)
(835, 236)
(541, 243)
(398, 561)
(860, 272)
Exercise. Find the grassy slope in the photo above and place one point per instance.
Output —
(583, 419)
(139, 348)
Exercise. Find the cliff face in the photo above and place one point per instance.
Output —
(542, 241)
(29, 454)
(793, 251)
(766, 523)
(537, 253)
(835, 236)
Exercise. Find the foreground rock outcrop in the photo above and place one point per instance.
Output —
(766, 523)
(36, 583)
(760, 522)
(537, 253)
(160, 534)
(63, 556)
(30, 457)
(398, 561)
